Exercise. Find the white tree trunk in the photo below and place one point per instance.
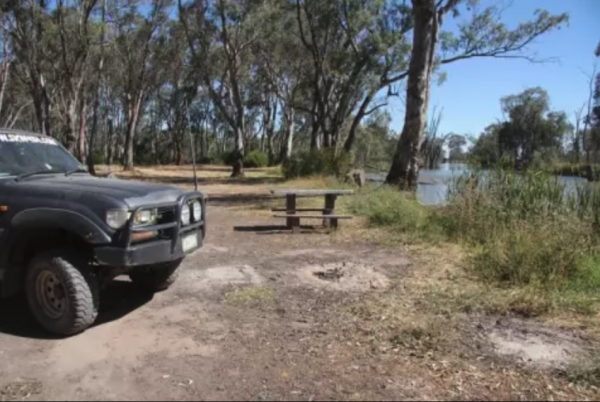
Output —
(405, 166)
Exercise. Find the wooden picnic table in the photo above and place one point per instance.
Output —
(330, 219)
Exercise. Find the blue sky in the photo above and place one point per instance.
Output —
(470, 96)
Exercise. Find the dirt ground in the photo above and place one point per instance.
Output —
(266, 315)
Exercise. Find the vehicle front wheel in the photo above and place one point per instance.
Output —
(62, 293)
(156, 278)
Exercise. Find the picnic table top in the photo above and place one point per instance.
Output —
(310, 192)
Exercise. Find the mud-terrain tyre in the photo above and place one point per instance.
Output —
(157, 278)
(62, 293)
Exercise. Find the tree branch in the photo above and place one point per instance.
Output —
(444, 9)
(496, 55)
(386, 82)
(374, 108)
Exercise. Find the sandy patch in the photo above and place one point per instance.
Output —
(544, 348)
(211, 248)
(313, 252)
(128, 340)
(221, 276)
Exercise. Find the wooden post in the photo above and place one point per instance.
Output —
(292, 223)
(329, 209)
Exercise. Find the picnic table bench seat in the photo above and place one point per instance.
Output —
(310, 193)
(299, 209)
(330, 219)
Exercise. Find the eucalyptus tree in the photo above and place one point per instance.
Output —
(482, 34)
(28, 25)
(139, 36)
(220, 36)
(356, 48)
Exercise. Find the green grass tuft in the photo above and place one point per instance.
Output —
(387, 207)
(585, 372)
(250, 295)
(528, 237)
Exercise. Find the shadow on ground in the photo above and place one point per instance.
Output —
(278, 229)
(207, 181)
(206, 168)
(120, 299)
(232, 200)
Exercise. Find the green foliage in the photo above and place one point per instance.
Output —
(531, 239)
(375, 143)
(527, 229)
(208, 160)
(432, 147)
(572, 169)
(387, 207)
(229, 158)
(486, 150)
(99, 158)
(256, 159)
(456, 144)
(318, 162)
(360, 47)
(484, 32)
(585, 372)
(529, 254)
(531, 137)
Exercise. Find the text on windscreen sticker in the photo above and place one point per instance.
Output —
(27, 138)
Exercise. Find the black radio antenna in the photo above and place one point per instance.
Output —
(192, 143)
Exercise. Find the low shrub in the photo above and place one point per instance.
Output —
(322, 162)
(528, 228)
(387, 207)
(527, 234)
(208, 160)
(256, 159)
(98, 158)
(532, 254)
(229, 158)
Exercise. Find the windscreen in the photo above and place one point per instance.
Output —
(21, 154)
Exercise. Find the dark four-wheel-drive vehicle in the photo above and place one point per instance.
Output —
(64, 234)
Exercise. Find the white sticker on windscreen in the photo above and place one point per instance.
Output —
(27, 138)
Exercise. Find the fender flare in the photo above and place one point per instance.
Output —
(39, 218)
(43, 218)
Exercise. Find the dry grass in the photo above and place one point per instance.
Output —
(437, 341)
(216, 181)
(212, 179)
(250, 295)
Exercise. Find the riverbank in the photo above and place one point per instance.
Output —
(434, 184)
(586, 171)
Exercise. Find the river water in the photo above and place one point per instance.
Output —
(433, 183)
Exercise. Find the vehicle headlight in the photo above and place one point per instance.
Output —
(116, 218)
(185, 215)
(197, 211)
(145, 217)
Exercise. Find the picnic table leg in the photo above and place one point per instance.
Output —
(292, 223)
(329, 209)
